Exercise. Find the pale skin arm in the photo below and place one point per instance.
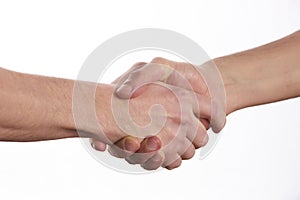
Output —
(262, 75)
(265, 74)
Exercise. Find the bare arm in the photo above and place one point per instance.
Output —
(34, 108)
(31, 107)
(265, 74)
(261, 75)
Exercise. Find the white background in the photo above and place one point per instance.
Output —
(258, 156)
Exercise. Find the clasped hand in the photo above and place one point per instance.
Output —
(169, 110)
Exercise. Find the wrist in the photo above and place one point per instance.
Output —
(233, 87)
(104, 112)
(244, 84)
(92, 112)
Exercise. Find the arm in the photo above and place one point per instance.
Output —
(35, 108)
(258, 76)
(32, 107)
(262, 75)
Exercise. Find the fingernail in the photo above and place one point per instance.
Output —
(124, 90)
(130, 145)
(151, 145)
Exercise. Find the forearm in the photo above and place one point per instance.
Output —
(262, 75)
(34, 107)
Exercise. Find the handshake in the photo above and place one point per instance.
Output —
(159, 112)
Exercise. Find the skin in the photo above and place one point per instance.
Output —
(35, 108)
(271, 71)
(183, 75)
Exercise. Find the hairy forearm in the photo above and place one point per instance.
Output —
(262, 75)
(34, 107)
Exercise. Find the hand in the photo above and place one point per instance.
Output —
(180, 133)
(203, 80)
(143, 73)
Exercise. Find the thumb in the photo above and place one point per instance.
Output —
(125, 147)
(149, 73)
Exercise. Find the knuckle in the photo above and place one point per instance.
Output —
(152, 164)
(192, 154)
(149, 166)
(200, 142)
(197, 145)
(188, 156)
(175, 164)
(159, 60)
(197, 142)
(114, 152)
(138, 65)
(131, 161)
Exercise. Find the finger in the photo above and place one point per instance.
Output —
(125, 75)
(176, 163)
(154, 162)
(124, 147)
(149, 73)
(218, 117)
(215, 111)
(150, 144)
(201, 105)
(148, 148)
(205, 123)
(98, 145)
(189, 153)
(198, 137)
(217, 93)
(203, 142)
(184, 75)
(200, 140)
